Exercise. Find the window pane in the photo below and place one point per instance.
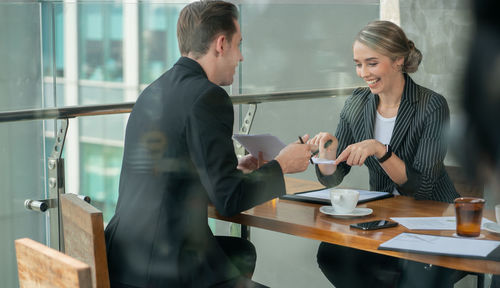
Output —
(101, 42)
(52, 39)
(308, 47)
(158, 39)
(100, 171)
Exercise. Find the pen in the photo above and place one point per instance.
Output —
(302, 142)
(328, 143)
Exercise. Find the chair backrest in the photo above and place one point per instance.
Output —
(43, 267)
(83, 231)
(462, 184)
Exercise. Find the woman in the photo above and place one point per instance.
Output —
(396, 128)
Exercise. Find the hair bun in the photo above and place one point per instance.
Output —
(411, 45)
(413, 59)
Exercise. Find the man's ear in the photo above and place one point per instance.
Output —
(220, 44)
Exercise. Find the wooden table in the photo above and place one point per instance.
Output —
(304, 220)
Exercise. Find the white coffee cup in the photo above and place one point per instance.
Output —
(344, 200)
(497, 213)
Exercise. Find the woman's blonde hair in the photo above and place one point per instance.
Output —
(390, 40)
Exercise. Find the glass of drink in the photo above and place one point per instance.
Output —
(469, 212)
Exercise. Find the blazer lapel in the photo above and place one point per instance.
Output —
(405, 113)
(370, 110)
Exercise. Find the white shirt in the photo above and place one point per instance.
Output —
(383, 128)
(383, 132)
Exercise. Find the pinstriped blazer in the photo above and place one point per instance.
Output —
(418, 139)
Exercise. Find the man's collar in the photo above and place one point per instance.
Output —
(191, 64)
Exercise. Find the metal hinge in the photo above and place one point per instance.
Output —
(245, 129)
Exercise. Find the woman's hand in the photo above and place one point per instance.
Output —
(356, 154)
(320, 140)
(329, 152)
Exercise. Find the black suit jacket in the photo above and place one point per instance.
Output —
(178, 157)
(418, 139)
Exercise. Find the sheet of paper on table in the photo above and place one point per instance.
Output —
(431, 223)
(443, 245)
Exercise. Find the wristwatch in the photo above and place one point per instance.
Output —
(388, 153)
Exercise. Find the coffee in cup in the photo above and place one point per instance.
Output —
(469, 213)
(344, 200)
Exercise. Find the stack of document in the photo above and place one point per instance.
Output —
(431, 223)
(442, 245)
(269, 145)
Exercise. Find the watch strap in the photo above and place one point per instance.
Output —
(388, 153)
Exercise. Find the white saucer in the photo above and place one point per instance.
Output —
(357, 212)
(492, 227)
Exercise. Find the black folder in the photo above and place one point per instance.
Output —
(305, 197)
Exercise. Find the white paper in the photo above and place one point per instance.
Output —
(322, 161)
(431, 223)
(325, 194)
(440, 245)
(268, 144)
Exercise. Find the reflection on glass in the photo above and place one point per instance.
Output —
(100, 173)
(22, 149)
(158, 39)
(101, 149)
(100, 42)
(52, 39)
(308, 47)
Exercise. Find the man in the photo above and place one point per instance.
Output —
(179, 156)
(481, 102)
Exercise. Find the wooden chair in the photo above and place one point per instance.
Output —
(83, 231)
(43, 267)
(465, 188)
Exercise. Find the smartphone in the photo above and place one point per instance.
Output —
(372, 225)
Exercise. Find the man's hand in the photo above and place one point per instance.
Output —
(295, 157)
(248, 163)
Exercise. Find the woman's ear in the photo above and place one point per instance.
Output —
(398, 64)
(400, 61)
